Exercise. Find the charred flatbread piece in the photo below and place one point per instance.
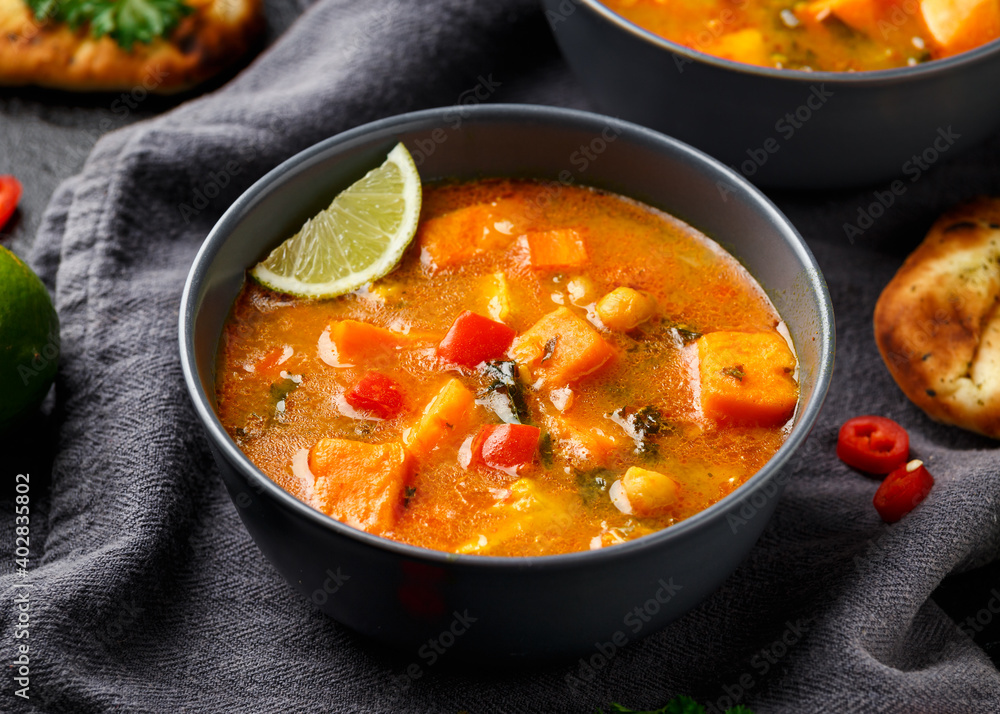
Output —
(937, 323)
(162, 46)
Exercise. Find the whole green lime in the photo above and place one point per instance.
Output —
(29, 338)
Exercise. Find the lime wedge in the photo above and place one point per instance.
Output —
(360, 237)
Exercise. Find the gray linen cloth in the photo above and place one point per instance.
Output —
(147, 594)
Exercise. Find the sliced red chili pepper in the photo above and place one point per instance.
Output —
(902, 490)
(506, 446)
(10, 194)
(473, 339)
(376, 394)
(873, 444)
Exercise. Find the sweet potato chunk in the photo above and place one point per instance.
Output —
(560, 248)
(745, 45)
(561, 348)
(959, 25)
(360, 484)
(746, 377)
(346, 343)
(462, 234)
(529, 511)
(449, 412)
(496, 296)
(581, 443)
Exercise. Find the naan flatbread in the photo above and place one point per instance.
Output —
(937, 323)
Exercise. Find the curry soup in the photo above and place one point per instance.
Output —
(828, 35)
(550, 369)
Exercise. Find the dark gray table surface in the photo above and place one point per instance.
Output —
(45, 137)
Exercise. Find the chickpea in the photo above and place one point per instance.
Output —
(649, 493)
(625, 308)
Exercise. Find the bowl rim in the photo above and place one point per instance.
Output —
(517, 113)
(874, 78)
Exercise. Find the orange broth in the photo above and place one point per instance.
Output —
(827, 35)
(279, 393)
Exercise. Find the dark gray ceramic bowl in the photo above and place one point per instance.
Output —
(783, 128)
(507, 607)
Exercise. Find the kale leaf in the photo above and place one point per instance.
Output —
(593, 483)
(687, 336)
(641, 425)
(505, 395)
(282, 388)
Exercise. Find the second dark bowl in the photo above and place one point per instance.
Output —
(777, 127)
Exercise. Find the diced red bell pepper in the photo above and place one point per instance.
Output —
(873, 444)
(506, 446)
(376, 394)
(473, 339)
(903, 490)
(10, 194)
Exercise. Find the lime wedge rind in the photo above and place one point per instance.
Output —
(359, 238)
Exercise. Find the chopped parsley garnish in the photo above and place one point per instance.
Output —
(545, 449)
(736, 372)
(550, 348)
(124, 21)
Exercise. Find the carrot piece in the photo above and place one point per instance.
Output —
(346, 343)
(448, 413)
(362, 485)
(561, 348)
(746, 377)
(959, 25)
(560, 248)
(462, 234)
